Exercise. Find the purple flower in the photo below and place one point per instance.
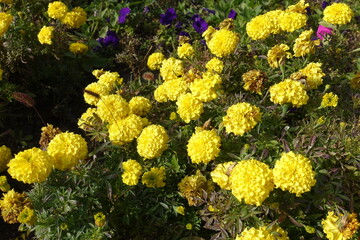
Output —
(168, 17)
(183, 33)
(209, 10)
(178, 25)
(146, 9)
(110, 39)
(324, 4)
(199, 24)
(123, 13)
(322, 31)
(232, 14)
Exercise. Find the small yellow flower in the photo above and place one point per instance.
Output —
(155, 178)
(180, 210)
(63, 226)
(27, 216)
(173, 116)
(45, 35)
(78, 48)
(189, 226)
(329, 100)
(100, 219)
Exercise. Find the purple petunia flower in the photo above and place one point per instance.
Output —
(322, 31)
(199, 24)
(168, 17)
(183, 33)
(123, 13)
(178, 25)
(146, 9)
(110, 39)
(324, 4)
(232, 14)
(209, 10)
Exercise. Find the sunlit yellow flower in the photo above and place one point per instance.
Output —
(274, 17)
(215, 65)
(98, 72)
(11, 205)
(45, 35)
(264, 233)
(171, 90)
(94, 91)
(152, 141)
(259, 27)
(185, 50)
(312, 74)
(223, 42)
(171, 68)
(300, 7)
(155, 60)
(208, 34)
(75, 18)
(112, 108)
(205, 88)
(57, 10)
(189, 107)
(5, 21)
(288, 91)
(100, 219)
(221, 174)
(139, 105)
(78, 48)
(277, 55)
(304, 45)
(291, 21)
(132, 172)
(154, 178)
(329, 100)
(338, 13)
(5, 156)
(110, 79)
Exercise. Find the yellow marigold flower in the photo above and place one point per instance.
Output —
(75, 18)
(288, 91)
(11, 205)
(340, 227)
(221, 174)
(171, 68)
(355, 82)
(154, 178)
(264, 233)
(223, 42)
(5, 21)
(125, 130)
(329, 100)
(203, 145)
(180, 209)
(86, 121)
(100, 219)
(254, 81)
(98, 72)
(304, 45)
(94, 91)
(189, 107)
(155, 60)
(259, 28)
(173, 116)
(30, 166)
(208, 34)
(294, 173)
(132, 172)
(241, 118)
(205, 88)
(291, 21)
(4, 185)
(171, 90)
(185, 50)
(215, 65)
(338, 13)
(5, 156)
(57, 10)
(45, 35)
(192, 187)
(67, 149)
(277, 54)
(110, 79)
(78, 48)
(300, 7)
(152, 141)
(112, 107)
(188, 226)
(313, 75)
(139, 105)
(251, 181)
(27, 216)
(63, 226)
(273, 17)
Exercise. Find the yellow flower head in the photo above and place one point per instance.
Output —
(264, 233)
(110, 79)
(313, 75)
(340, 227)
(294, 173)
(45, 35)
(5, 21)
(11, 205)
(87, 119)
(5, 156)
(215, 65)
(355, 82)
(338, 13)
(180, 209)
(241, 118)
(171, 68)
(277, 54)
(132, 172)
(139, 105)
(154, 178)
(288, 91)
(30, 166)
(192, 187)
(171, 90)
(329, 100)
(155, 60)
(94, 91)
(300, 7)
(273, 17)
(78, 48)
(251, 181)
(4, 185)
(205, 88)
(112, 108)
(259, 27)
(152, 141)
(57, 10)
(203, 146)
(221, 174)
(254, 81)
(67, 149)
(291, 21)
(100, 219)
(189, 107)
(208, 34)
(125, 130)
(223, 42)
(185, 50)
(304, 45)
(98, 72)
(27, 216)
(75, 18)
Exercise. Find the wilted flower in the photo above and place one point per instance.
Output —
(355, 82)
(254, 81)
(277, 55)
(154, 178)
(11, 205)
(123, 13)
(312, 74)
(340, 227)
(168, 17)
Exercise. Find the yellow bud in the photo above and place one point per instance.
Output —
(189, 226)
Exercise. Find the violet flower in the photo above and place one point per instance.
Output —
(168, 17)
(322, 31)
(232, 14)
(123, 13)
(183, 33)
(324, 4)
(199, 24)
(209, 10)
(110, 39)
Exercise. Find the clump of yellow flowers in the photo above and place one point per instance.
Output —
(265, 233)
(289, 91)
